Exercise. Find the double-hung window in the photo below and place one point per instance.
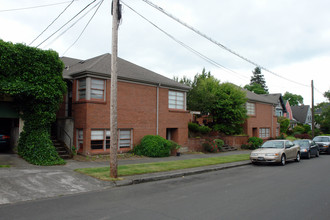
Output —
(251, 108)
(125, 138)
(82, 88)
(100, 139)
(97, 89)
(264, 132)
(176, 100)
(91, 89)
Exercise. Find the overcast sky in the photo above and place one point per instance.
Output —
(291, 38)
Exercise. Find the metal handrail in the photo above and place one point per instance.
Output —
(66, 133)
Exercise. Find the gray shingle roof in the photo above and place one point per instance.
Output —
(300, 112)
(101, 66)
(251, 96)
(275, 97)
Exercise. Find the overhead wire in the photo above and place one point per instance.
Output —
(52, 21)
(217, 43)
(32, 7)
(209, 60)
(73, 24)
(67, 22)
(99, 5)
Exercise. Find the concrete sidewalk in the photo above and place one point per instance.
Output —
(23, 181)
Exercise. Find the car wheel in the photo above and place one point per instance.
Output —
(308, 155)
(317, 153)
(255, 163)
(298, 157)
(283, 160)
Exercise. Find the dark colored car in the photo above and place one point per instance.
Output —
(308, 148)
(323, 142)
(4, 142)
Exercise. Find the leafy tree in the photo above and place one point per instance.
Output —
(256, 88)
(284, 124)
(184, 80)
(229, 111)
(293, 98)
(202, 96)
(327, 95)
(324, 119)
(33, 77)
(224, 102)
(258, 78)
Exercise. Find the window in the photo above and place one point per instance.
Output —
(124, 138)
(264, 132)
(251, 108)
(100, 139)
(278, 112)
(91, 88)
(80, 139)
(176, 100)
(97, 89)
(82, 88)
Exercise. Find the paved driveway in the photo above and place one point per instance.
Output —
(23, 181)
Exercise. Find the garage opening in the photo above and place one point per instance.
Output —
(9, 127)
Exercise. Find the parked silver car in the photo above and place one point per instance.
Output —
(323, 142)
(276, 151)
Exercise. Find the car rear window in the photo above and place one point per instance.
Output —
(321, 139)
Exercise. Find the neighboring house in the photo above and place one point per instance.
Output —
(280, 108)
(289, 114)
(262, 121)
(302, 114)
(148, 104)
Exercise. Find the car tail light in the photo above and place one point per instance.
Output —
(5, 137)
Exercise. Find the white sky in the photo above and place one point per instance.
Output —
(288, 37)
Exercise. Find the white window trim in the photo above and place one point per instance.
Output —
(249, 108)
(131, 133)
(89, 88)
(184, 103)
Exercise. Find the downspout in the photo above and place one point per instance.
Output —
(157, 110)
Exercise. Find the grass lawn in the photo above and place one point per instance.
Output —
(103, 173)
(4, 166)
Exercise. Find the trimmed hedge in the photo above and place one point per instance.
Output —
(154, 146)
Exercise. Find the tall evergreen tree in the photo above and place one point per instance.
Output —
(258, 78)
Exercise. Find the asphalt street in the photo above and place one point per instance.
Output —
(296, 191)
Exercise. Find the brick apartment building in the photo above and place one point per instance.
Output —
(262, 121)
(148, 103)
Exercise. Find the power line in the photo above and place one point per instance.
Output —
(217, 43)
(52, 21)
(32, 7)
(58, 36)
(84, 27)
(67, 22)
(209, 60)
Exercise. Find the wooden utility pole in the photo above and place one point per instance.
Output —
(113, 98)
(313, 128)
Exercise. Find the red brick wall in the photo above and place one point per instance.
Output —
(264, 118)
(137, 110)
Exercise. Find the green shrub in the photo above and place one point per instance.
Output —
(298, 129)
(154, 146)
(245, 146)
(219, 143)
(209, 147)
(204, 129)
(255, 142)
(193, 127)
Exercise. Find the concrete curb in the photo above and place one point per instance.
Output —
(178, 173)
